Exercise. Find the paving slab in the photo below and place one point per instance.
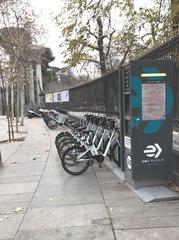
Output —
(118, 195)
(171, 233)
(8, 150)
(20, 179)
(145, 223)
(57, 198)
(29, 158)
(113, 186)
(16, 188)
(67, 190)
(9, 225)
(147, 210)
(145, 216)
(17, 170)
(13, 208)
(105, 175)
(86, 181)
(65, 216)
(124, 199)
(56, 171)
(75, 233)
(54, 161)
(16, 198)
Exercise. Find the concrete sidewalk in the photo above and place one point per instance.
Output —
(22, 131)
(39, 201)
(7, 150)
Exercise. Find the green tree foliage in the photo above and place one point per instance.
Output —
(155, 22)
(88, 31)
(18, 34)
(108, 32)
(46, 58)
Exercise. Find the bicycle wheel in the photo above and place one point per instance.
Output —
(64, 145)
(115, 154)
(70, 162)
(60, 135)
(62, 140)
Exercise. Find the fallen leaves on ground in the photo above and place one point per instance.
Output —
(18, 209)
(4, 218)
(173, 187)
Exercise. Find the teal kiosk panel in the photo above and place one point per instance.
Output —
(148, 122)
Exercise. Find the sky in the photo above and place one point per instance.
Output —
(44, 9)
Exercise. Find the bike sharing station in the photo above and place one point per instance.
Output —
(144, 107)
(146, 125)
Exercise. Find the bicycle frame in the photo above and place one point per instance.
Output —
(95, 151)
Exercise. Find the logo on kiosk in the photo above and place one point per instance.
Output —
(129, 165)
(153, 150)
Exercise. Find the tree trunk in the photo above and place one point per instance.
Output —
(17, 108)
(37, 84)
(11, 127)
(11, 113)
(101, 47)
(31, 88)
(12, 101)
(153, 34)
(6, 103)
(22, 96)
(7, 95)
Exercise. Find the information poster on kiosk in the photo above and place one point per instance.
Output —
(153, 101)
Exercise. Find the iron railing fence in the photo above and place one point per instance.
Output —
(102, 94)
(168, 50)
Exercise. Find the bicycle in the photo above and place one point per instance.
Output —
(82, 157)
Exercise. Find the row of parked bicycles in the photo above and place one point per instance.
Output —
(52, 118)
(86, 139)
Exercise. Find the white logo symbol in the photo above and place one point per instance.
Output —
(153, 150)
(129, 162)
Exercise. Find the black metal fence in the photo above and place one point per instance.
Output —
(168, 50)
(100, 95)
